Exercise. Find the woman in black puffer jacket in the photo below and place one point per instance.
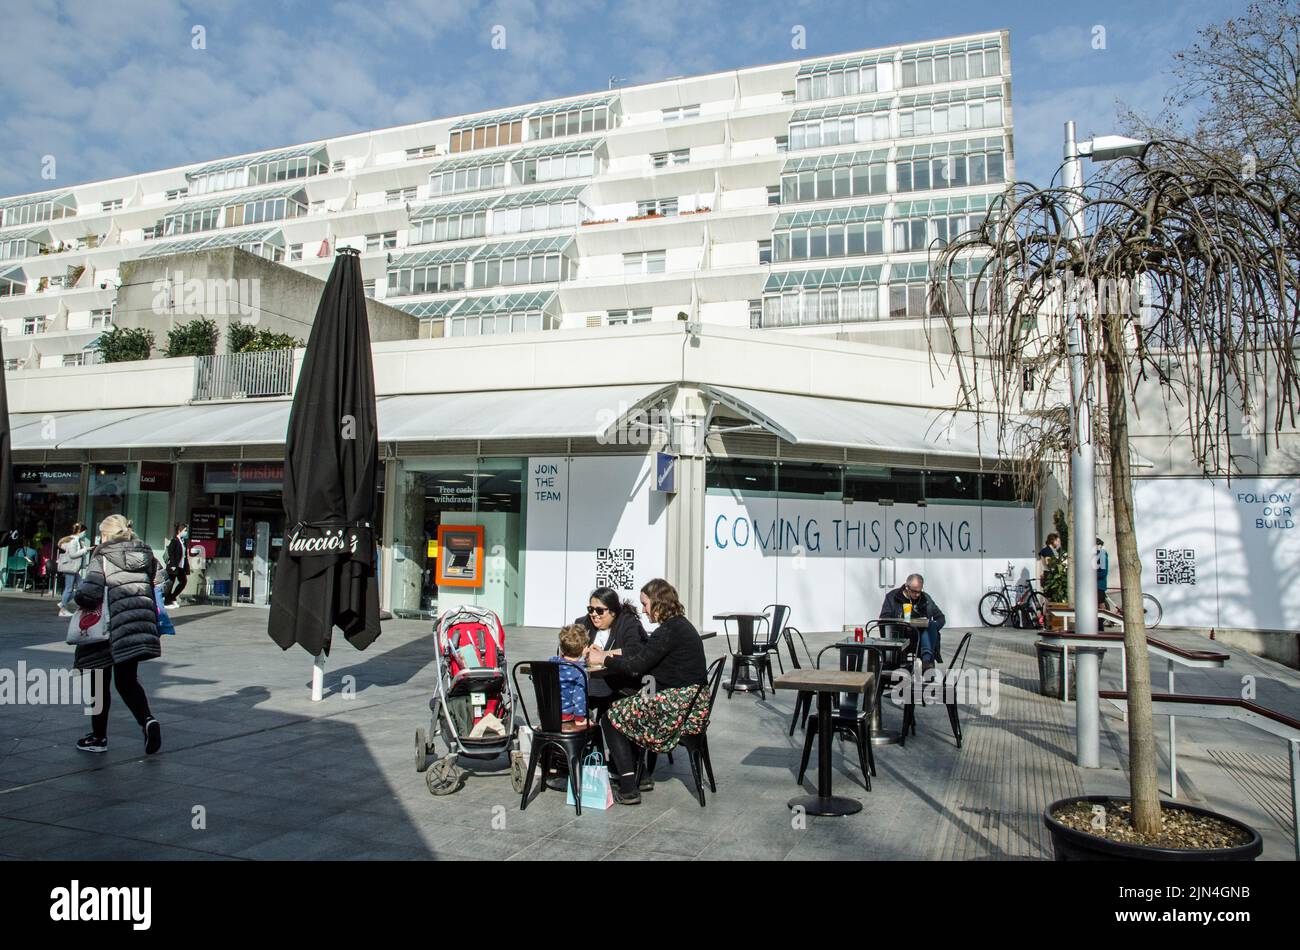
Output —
(124, 571)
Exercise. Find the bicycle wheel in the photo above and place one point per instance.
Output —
(1036, 610)
(994, 609)
(1151, 611)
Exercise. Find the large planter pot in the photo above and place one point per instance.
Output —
(1071, 845)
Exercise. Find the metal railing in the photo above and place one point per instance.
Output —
(243, 375)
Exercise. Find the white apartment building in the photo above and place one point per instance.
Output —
(803, 195)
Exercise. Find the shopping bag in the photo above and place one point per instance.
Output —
(165, 625)
(595, 783)
(89, 626)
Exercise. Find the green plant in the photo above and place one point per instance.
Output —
(196, 338)
(238, 336)
(1056, 579)
(266, 340)
(123, 344)
(1062, 524)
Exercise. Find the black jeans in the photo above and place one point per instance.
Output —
(621, 750)
(175, 584)
(128, 687)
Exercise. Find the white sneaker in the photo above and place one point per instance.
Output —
(171, 606)
(64, 613)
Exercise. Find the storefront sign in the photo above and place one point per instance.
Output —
(204, 523)
(47, 478)
(228, 477)
(155, 476)
(665, 472)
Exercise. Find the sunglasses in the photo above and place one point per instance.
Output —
(597, 611)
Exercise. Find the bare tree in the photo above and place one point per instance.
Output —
(1237, 91)
(1187, 275)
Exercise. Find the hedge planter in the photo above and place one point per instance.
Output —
(1070, 844)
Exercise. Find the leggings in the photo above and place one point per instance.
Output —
(128, 687)
(175, 584)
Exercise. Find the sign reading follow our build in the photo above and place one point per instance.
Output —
(1221, 555)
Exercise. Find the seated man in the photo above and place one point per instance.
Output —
(913, 592)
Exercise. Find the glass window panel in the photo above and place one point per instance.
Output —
(835, 242)
(922, 121)
(992, 62)
(789, 188)
(882, 126)
(905, 176)
(958, 66)
(537, 269)
(825, 183)
(806, 186)
(817, 242)
(819, 86)
(861, 180)
(841, 181)
(995, 169)
(654, 262)
(898, 300)
(941, 69)
(835, 84)
(921, 174)
(781, 246)
(571, 169)
(909, 73)
(992, 113)
(739, 477)
(798, 244)
(831, 133)
(939, 119)
(851, 82)
(812, 135)
(856, 239)
(916, 302)
(974, 65)
(552, 267)
(872, 484)
(924, 72)
(907, 123)
(796, 137)
(803, 88)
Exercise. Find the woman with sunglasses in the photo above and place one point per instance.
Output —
(611, 625)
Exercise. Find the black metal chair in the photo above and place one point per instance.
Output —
(552, 734)
(848, 719)
(773, 626)
(802, 701)
(950, 677)
(696, 744)
(752, 655)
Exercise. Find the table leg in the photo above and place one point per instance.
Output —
(824, 803)
(879, 734)
(745, 643)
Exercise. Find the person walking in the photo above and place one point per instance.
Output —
(1103, 573)
(120, 578)
(178, 565)
(74, 548)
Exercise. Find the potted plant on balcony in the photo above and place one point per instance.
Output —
(1171, 316)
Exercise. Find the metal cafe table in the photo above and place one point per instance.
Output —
(887, 645)
(745, 622)
(826, 684)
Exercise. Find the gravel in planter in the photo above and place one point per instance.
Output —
(1180, 829)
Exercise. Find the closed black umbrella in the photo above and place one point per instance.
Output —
(7, 512)
(325, 577)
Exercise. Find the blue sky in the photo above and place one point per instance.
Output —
(114, 87)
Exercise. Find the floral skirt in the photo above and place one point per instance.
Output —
(651, 719)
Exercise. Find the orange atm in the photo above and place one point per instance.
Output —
(460, 555)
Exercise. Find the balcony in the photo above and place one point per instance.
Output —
(243, 375)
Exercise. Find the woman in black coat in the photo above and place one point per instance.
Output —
(121, 575)
(611, 625)
(673, 658)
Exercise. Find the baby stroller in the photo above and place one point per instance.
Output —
(473, 709)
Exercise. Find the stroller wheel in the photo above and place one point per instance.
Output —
(518, 772)
(444, 777)
(421, 751)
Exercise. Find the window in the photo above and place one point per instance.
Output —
(838, 81)
(476, 178)
(414, 154)
(908, 300)
(658, 207)
(950, 171)
(74, 359)
(386, 241)
(678, 113)
(177, 193)
(773, 194)
(952, 117)
(113, 205)
(13, 366)
(368, 288)
(783, 143)
(33, 325)
(339, 166)
(489, 135)
(756, 314)
(838, 182)
(850, 304)
(765, 252)
(681, 156)
(952, 65)
(570, 122)
(621, 318)
(643, 262)
(101, 319)
(295, 252)
(398, 196)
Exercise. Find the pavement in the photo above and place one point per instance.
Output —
(252, 769)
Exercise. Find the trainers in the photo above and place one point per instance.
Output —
(63, 612)
(152, 736)
(92, 743)
(626, 798)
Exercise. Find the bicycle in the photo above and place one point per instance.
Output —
(1152, 611)
(1024, 606)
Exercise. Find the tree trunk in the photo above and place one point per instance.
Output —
(1141, 737)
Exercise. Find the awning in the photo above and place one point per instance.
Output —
(587, 412)
(816, 420)
(580, 412)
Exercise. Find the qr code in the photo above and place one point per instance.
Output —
(615, 567)
(1175, 566)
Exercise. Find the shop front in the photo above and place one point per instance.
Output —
(48, 501)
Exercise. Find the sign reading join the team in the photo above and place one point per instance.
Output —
(546, 482)
(899, 536)
(1274, 507)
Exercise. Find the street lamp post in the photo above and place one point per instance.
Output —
(1083, 460)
